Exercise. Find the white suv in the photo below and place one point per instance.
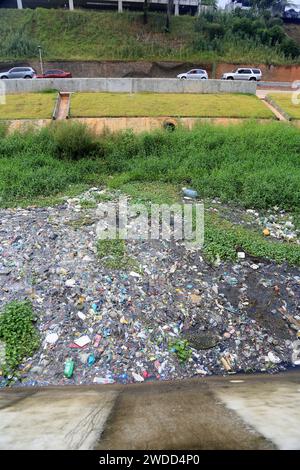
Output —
(243, 74)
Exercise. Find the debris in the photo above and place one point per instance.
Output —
(51, 338)
(103, 380)
(82, 341)
(97, 341)
(189, 193)
(226, 364)
(178, 316)
(69, 368)
(273, 358)
(137, 377)
(91, 359)
(266, 232)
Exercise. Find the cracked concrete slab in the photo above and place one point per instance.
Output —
(60, 419)
(272, 408)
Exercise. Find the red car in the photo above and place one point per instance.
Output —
(55, 74)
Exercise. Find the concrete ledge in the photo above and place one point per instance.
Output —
(235, 412)
(136, 124)
(278, 108)
(129, 85)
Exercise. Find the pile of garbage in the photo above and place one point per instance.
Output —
(275, 223)
(173, 316)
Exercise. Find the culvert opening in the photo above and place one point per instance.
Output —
(169, 126)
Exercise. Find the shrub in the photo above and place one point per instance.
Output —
(18, 44)
(17, 330)
(290, 48)
(72, 141)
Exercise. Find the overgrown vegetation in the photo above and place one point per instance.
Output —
(219, 32)
(94, 35)
(250, 165)
(113, 254)
(19, 334)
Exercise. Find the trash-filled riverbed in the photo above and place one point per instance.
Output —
(169, 314)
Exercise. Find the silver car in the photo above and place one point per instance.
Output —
(19, 72)
(194, 74)
(243, 74)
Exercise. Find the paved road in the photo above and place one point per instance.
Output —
(236, 412)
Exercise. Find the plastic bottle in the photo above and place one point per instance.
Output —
(91, 360)
(103, 380)
(69, 368)
(190, 193)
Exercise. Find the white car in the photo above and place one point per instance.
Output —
(243, 74)
(194, 74)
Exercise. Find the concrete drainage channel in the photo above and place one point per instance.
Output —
(62, 106)
(237, 412)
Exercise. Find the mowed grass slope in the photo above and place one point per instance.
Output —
(28, 106)
(285, 101)
(168, 104)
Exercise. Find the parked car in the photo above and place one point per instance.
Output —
(55, 74)
(243, 74)
(194, 74)
(19, 72)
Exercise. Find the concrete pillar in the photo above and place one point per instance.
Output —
(20, 4)
(199, 8)
(176, 7)
(120, 6)
(71, 4)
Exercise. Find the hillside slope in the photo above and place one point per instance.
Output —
(293, 30)
(94, 35)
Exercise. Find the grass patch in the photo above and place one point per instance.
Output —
(168, 104)
(223, 239)
(28, 106)
(162, 193)
(114, 256)
(19, 334)
(80, 222)
(284, 100)
(86, 204)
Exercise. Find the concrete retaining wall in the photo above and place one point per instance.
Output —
(129, 85)
(140, 124)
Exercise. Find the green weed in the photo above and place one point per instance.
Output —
(18, 332)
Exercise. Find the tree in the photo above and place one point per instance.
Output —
(277, 6)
